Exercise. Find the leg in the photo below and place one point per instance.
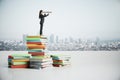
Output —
(41, 28)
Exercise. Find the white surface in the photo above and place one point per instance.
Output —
(85, 65)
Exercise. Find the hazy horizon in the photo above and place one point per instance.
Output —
(78, 18)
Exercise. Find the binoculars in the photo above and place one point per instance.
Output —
(47, 12)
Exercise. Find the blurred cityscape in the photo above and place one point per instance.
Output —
(64, 44)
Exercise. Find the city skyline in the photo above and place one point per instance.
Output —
(77, 19)
(67, 44)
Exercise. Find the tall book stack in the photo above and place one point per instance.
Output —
(60, 60)
(36, 46)
(18, 60)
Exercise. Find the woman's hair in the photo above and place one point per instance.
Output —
(41, 11)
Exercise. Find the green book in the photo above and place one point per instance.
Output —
(19, 63)
(60, 56)
(58, 63)
(35, 50)
(32, 38)
(20, 54)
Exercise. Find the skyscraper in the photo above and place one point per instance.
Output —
(51, 39)
(57, 39)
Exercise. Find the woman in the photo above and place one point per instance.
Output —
(42, 15)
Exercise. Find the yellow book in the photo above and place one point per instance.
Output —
(20, 60)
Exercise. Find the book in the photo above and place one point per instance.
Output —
(33, 36)
(61, 57)
(38, 43)
(20, 55)
(37, 53)
(34, 39)
(38, 64)
(19, 66)
(20, 60)
(33, 46)
(18, 63)
(35, 50)
(40, 59)
(62, 63)
(42, 37)
(57, 65)
(34, 66)
(48, 65)
(57, 60)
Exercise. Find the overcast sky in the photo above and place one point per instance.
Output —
(75, 18)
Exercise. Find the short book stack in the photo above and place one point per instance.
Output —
(60, 60)
(36, 46)
(19, 60)
(37, 62)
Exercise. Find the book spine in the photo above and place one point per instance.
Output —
(37, 53)
(18, 66)
(38, 43)
(36, 46)
(33, 36)
(19, 63)
(20, 60)
(56, 65)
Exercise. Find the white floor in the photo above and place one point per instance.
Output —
(85, 65)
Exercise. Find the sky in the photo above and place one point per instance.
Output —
(69, 18)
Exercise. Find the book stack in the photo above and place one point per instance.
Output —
(37, 62)
(36, 46)
(60, 60)
(18, 60)
(35, 43)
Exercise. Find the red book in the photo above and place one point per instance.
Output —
(10, 56)
(58, 61)
(19, 66)
(57, 65)
(37, 53)
(39, 43)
